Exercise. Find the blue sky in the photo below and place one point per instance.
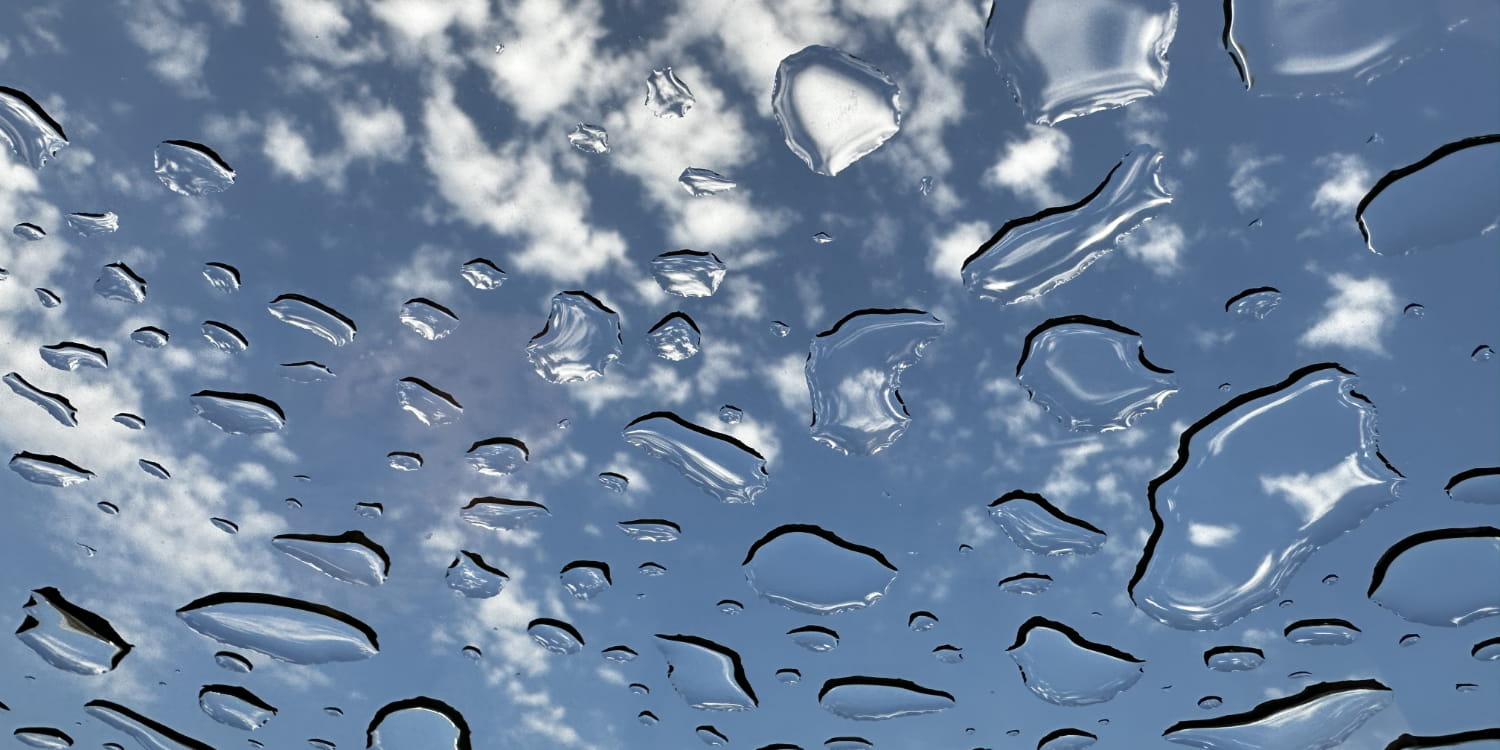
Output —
(379, 145)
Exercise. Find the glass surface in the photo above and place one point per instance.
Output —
(526, 373)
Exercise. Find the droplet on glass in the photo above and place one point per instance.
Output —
(854, 375)
(579, 341)
(833, 107)
(590, 139)
(501, 514)
(700, 182)
(471, 576)
(230, 661)
(863, 698)
(73, 356)
(1091, 374)
(239, 413)
(730, 606)
(431, 406)
(147, 733)
(483, 274)
(93, 224)
(711, 736)
(1026, 583)
(192, 169)
(719, 464)
(55, 404)
(614, 482)
(585, 579)
(404, 460)
(350, 557)
(812, 570)
(1414, 310)
(306, 373)
(675, 337)
(224, 337)
(292, 630)
(497, 456)
(666, 95)
(1064, 668)
(651, 530)
(117, 282)
(1482, 353)
(1415, 577)
(555, 636)
(234, 706)
(28, 231)
(652, 569)
(225, 525)
(1253, 304)
(47, 738)
(150, 337)
(47, 298)
(369, 510)
(619, 654)
(921, 622)
(54, 471)
(1041, 528)
(1320, 716)
(429, 319)
(27, 128)
(822, 238)
(814, 638)
(688, 273)
(1323, 632)
(68, 636)
(314, 317)
(709, 676)
(1233, 658)
(422, 722)
(948, 654)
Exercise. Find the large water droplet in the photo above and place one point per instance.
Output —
(54, 471)
(224, 337)
(1435, 201)
(1416, 578)
(497, 456)
(351, 556)
(1233, 658)
(688, 273)
(833, 107)
(675, 337)
(28, 231)
(151, 735)
(700, 182)
(117, 282)
(483, 274)
(1067, 739)
(878, 698)
(500, 514)
(239, 413)
(47, 738)
(814, 638)
(429, 319)
(1062, 667)
(719, 464)
(282, 628)
(580, 339)
(54, 404)
(809, 569)
(854, 375)
(1253, 304)
(233, 662)
(1065, 61)
(94, 224)
(150, 337)
(68, 636)
(708, 675)
(585, 579)
(590, 139)
(555, 636)
(1321, 716)
(1092, 375)
(666, 95)
(1039, 527)
(73, 356)
(1030, 256)
(314, 317)
(1478, 485)
(192, 169)
(651, 530)
(1258, 484)
(419, 722)
(471, 576)
(234, 706)
(27, 128)
(427, 403)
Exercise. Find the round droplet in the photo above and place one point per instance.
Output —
(652, 569)
(472, 653)
(1210, 702)
(1482, 353)
(1414, 310)
(619, 654)
(780, 329)
(730, 414)
(555, 636)
(788, 676)
(647, 718)
(730, 607)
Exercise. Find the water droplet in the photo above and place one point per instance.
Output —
(1482, 353)
(1284, 603)
(616, 483)
(497, 457)
(788, 676)
(431, 406)
(948, 654)
(43, 737)
(47, 298)
(921, 622)
(239, 413)
(1487, 650)
(590, 139)
(779, 329)
(54, 471)
(585, 579)
(314, 317)
(27, 128)
(1254, 304)
(306, 373)
(369, 510)
(1259, 484)
(580, 339)
(472, 653)
(73, 356)
(833, 107)
(854, 374)
(719, 464)
(1026, 583)
(809, 569)
(1466, 687)
(925, 186)
(730, 606)
(235, 706)
(404, 460)
(150, 337)
(1030, 256)
(1321, 716)
(1067, 739)
(1415, 577)
(149, 734)
(333, 711)
(1414, 310)
(666, 95)
(814, 638)
(501, 514)
(651, 569)
(471, 576)
(117, 282)
(639, 689)
(54, 404)
(647, 718)
(688, 273)
(109, 508)
(351, 556)
(317, 743)
(651, 530)
(429, 319)
(233, 662)
(555, 636)
(711, 737)
(291, 630)
(223, 337)
(1233, 658)
(225, 525)
(94, 224)
(192, 169)
(68, 636)
(675, 337)
(482, 274)
(1325, 632)
(1210, 702)
(418, 722)
(619, 654)
(852, 743)
(1041, 528)
(1436, 201)
(1062, 667)
(878, 698)
(1092, 375)
(28, 231)
(822, 238)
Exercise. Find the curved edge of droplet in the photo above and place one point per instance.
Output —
(1277, 705)
(1037, 621)
(821, 533)
(1383, 565)
(320, 307)
(510, 441)
(1431, 742)
(478, 562)
(1463, 476)
(1047, 506)
(353, 536)
(871, 311)
(1209, 654)
(1248, 292)
(1028, 576)
(106, 708)
(1014, 224)
(249, 397)
(704, 431)
(1400, 172)
(434, 390)
(819, 629)
(1058, 734)
(206, 151)
(602, 567)
(741, 680)
(91, 621)
(1087, 320)
(35, 107)
(1232, 46)
(238, 693)
(51, 459)
(1319, 622)
(425, 703)
(435, 305)
(668, 318)
(250, 597)
(890, 682)
(560, 625)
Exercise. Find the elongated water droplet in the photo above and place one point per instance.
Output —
(234, 706)
(306, 373)
(108, 508)
(711, 736)
(431, 406)
(555, 636)
(1487, 650)
(47, 298)
(471, 576)
(225, 525)
(28, 231)
(1448, 196)
(422, 722)
(1092, 375)
(239, 413)
(54, 404)
(500, 514)
(351, 556)
(709, 676)
(149, 734)
(1258, 484)
(822, 238)
(1326, 632)
(1062, 667)
(833, 107)
(233, 662)
(1039, 527)
(1321, 716)
(878, 698)
(73, 356)
(810, 569)
(224, 337)
(651, 530)
(130, 421)
(54, 471)
(590, 139)
(666, 95)
(192, 169)
(949, 654)
(222, 277)
(580, 339)
(1030, 256)
(1253, 304)
(150, 337)
(47, 738)
(854, 375)
(429, 319)
(291, 630)
(700, 182)
(117, 282)
(1067, 739)
(369, 510)
(719, 464)
(483, 274)
(814, 638)
(314, 317)
(1233, 658)
(498, 456)
(1026, 583)
(619, 654)
(1478, 485)
(585, 579)
(1416, 578)
(27, 128)
(404, 460)
(848, 743)
(68, 636)
(94, 224)
(675, 337)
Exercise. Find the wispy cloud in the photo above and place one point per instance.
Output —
(1357, 316)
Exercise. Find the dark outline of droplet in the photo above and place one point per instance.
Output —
(547, 324)
(484, 262)
(478, 561)
(711, 730)
(780, 745)
(644, 714)
(128, 272)
(237, 659)
(319, 742)
(155, 726)
(832, 740)
(421, 702)
(821, 533)
(52, 732)
(891, 682)
(1233, 49)
(740, 679)
(1037, 621)
(1058, 734)
(1480, 646)
(246, 397)
(560, 625)
(653, 521)
(379, 508)
(233, 272)
(97, 626)
(165, 337)
(1248, 292)
(819, 629)
(1051, 509)
(1377, 577)
(1040, 215)
(1088, 321)
(1400, 172)
(1332, 622)
(439, 307)
(1217, 650)
(229, 329)
(56, 398)
(622, 649)
(602, 567)
(615, 475)
(35, 108)
(674, 316)
(1276, 705)
(1028, 576)
(512, 442)
(63, 346)
(644, 689)
(789, 671)
(650, 564)
(272, 600)
(219, 522)
(206, 151)
(1425, 742)
(734, 602)
(912, 618)
(704, 431)
(1183, 455)
(310, 302)
(505, 502)
(948, 647)
(1477, 350)
(430, 388)
(309, 364)
(29, 225)
(871, 311)
(54, 460)
(239, 693)
(353, 536)
(685, 253)
(407, 454)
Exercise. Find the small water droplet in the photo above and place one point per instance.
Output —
(788, 676)
(1210, 702)
(675, 337)
(1324, 632)
(719, 464)
(814, 638)
(590, 139)
(431, 406)
(404, 460)
(498, 456)
(502, 514)
(614, 482)
(580, 339)
(948, 654)
(233, 662)
(1254, 304)
(68, 636)
(555, 636)
(118, 282)
(921, 621)
(150, 337)
(1414, 310)
(29, 232)
(108, 507)
(88, 224)
(779, 329)
(225, 525)
(314, 317)
(730, 607)
(1233, 658)
(1039, 527)
(234, 706)
(866, 698)
(474, 578)
(428, 319)
(47, 298)
(812, 570)
(651, 530)
(192, 169)
(666, 95)
(585, 579)
(224, 337)
(472, 653)
(699, 182)
(822, 238)
(54, 471)
(1062, 667)
(369, 510)
(1482, 353)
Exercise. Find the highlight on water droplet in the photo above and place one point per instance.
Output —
(483, 274)
(27, 128)
(1449, 196)
(822, 238)
(314, 317)
(854, 375)
(580, 339)
(306, 373)
(29, 232)
(921, 622)
(233, 662)
(688, 273)
(471, 576)
(1041, 528)
(619, 654)
(1254, 303)
(54, 471)
(1320, 716)
(700, 182)
(1416, 578)
(117, 282)
(1482, 353)
(812, 570)
(431, 406)
(833, 107)
(291, 630)
(47, 738)
(47, 298)
(1322, 632)
(223, 337)
(719, 464)
(1062, 667)
(675, 337)
(192, 169)
(709, 676)
(68, 636)
(429, 319)
(1486, 650)
(614, 482)
(234, 706)
(555, 636)
(501, 514)
(666, 95)
(73, 356)
(239, 413)
(864, 698)
(651, 530)
(88, 224)
(350, 557)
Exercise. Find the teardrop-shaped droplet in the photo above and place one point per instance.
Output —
(1062, 667)
(709, 676)
(68, 636)
(291, 630)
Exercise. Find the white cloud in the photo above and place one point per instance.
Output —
(1347, 181)
(1025, 165)
(947, 253)
(178, 48)
(550, 56)
(1157, 243)
(369, 131)
(1360, 312)
(1246, 188)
